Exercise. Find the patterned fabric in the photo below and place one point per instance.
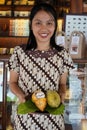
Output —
(39, 122)
(39, 70)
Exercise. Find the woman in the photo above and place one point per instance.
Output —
(40, 65)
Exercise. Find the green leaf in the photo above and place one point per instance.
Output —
(29, 107)
(55, 111)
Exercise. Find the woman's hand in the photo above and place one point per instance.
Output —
(13, 84)
(21, 99)
(62, 96)
(62, 86)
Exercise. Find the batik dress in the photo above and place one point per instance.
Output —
(39, 70)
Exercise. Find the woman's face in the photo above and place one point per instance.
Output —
(43, 26)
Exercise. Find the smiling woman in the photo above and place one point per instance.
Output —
(41, 65)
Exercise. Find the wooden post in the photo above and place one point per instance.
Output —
(4, 115)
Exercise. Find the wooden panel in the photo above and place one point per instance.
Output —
(16, 7)
(4, 8)
(82, 61)
(4, 112)
(84, 8)
(10, 42)
(4, 27)
(22, 8)
(76, 6)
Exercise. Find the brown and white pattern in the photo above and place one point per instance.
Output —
(39, 70)
(39, 122)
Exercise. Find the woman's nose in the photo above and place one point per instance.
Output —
(43, 26)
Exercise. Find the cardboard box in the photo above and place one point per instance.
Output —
(77, 45)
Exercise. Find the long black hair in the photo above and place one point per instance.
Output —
(32, 44)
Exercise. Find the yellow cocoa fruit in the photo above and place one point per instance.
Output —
(38, 97)
(41, 103)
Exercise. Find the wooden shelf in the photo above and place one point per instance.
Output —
(16, 7)
(22, 7)
(10, 42)
(4, 57)
(5, 8)
(82, 61)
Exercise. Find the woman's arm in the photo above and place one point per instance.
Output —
(62, 86)
(13, 84)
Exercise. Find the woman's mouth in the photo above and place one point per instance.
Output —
(44, 35)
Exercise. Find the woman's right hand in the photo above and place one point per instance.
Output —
(21, 99)
(13, 84)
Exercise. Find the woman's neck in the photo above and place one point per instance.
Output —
(43, 48)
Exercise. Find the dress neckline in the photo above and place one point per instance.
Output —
(43, 54)
(44, 51)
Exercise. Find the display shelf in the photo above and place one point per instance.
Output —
(16, 2)
(75, 103)
(4, 57)
(14, 13)
(82, 61)
(14, 27)
(10, 42)
(16, 7)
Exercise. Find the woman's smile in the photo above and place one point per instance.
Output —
(44, 35)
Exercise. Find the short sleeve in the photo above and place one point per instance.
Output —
(67, 62)
(13, 63)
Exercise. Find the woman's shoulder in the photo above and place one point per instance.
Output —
(22, 46)
(63, 53)
(18, 47)
(61, 49)
(64, 50)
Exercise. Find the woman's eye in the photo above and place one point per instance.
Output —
(50, 23)
(38, 23)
